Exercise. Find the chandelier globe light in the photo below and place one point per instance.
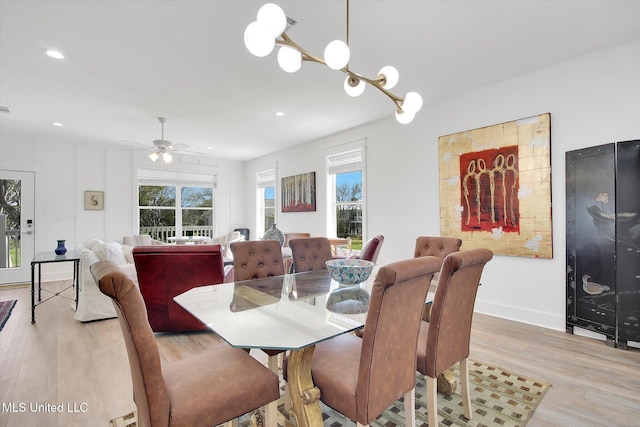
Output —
(354, 86)
(405, 117)
(337, 55)
(273, 17)
(261, 36)
(390, 76)
(259, 39)
(290, 60)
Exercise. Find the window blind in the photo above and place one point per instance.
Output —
(266, 178)
(163, 177)
(348, 161)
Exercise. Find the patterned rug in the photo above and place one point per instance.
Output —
(5, 311)
(498, 398)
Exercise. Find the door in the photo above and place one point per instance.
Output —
(17, 228)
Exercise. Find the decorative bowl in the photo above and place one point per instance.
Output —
(349, 271)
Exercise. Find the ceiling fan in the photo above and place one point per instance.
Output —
(163, 146)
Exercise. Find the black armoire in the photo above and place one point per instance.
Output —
(603, 241)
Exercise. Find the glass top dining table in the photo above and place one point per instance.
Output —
(287, 312)
(291, 312)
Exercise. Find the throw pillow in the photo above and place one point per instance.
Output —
(137, 240)
(128, 253)
(111, 251)
(93, 244)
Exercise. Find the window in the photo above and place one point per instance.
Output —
(266, 199)
(349, 204)
(345, 173)
(175, 204)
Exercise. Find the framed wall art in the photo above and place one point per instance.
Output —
(94, 200)
(299, 193)
(495, 187)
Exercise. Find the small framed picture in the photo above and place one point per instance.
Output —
(94, 200)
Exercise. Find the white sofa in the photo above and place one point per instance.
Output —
(93, 304)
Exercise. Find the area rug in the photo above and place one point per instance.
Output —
(5, 311)
(499, 397)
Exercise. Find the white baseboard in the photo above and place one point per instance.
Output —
(537, 318)
(56, 276)
(523, 315)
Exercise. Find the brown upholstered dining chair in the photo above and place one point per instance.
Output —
(257, 259)
(208, 389)
(310, 253)
(444, 340)
(436, 246)
(361, 378)
(439, 247)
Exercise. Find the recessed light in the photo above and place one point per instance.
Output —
(210, 148)
(54, 54)
(56, 124)
(280, 114)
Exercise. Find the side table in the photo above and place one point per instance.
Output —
(49, 257)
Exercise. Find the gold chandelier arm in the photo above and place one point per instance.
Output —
(377, 83)
(306, 55)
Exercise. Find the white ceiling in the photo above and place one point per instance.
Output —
(129, 62)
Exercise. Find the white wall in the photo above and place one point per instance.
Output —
(593, 100)
(65, 169)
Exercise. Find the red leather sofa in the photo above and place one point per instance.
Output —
(167, 271)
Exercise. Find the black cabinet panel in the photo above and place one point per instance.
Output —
(603, 240)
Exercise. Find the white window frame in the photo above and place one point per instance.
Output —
(177, 179)
(265, 179)
(343, 158)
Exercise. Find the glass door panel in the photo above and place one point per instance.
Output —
(16, 226)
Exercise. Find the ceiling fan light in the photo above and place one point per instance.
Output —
(167, 158)
(273, 17)
(154, 156)
(290, 60)
(353, 86)
(390, 75)
(405, 117)
(337, 55)
(412, 102)
(258, 39)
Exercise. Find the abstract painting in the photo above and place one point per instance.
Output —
(299, 193)
(495, 187)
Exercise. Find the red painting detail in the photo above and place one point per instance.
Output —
(489, 190)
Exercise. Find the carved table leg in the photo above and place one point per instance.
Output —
(305, 406)
(447, 383)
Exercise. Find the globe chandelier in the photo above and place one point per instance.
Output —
(262, 35)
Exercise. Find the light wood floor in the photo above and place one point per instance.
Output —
(84, 367)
